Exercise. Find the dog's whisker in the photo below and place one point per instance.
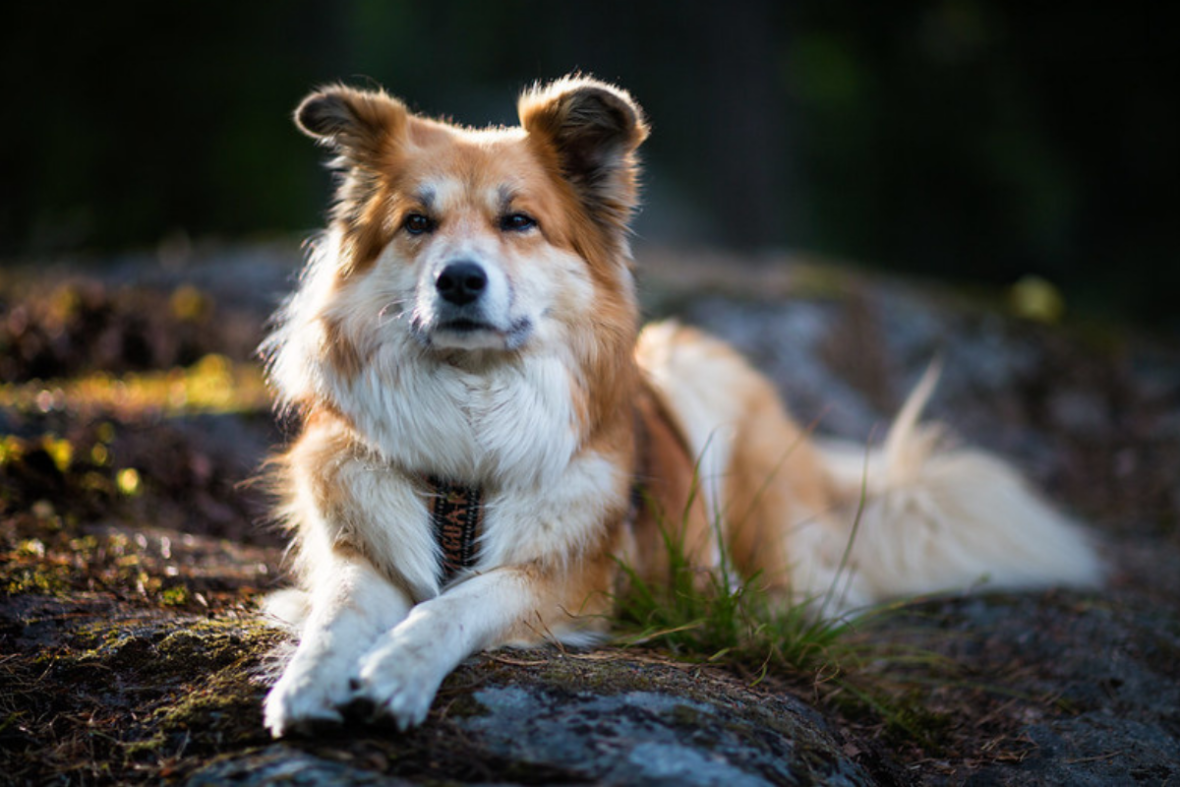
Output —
(391, 313)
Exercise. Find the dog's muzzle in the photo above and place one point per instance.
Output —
(469, 310)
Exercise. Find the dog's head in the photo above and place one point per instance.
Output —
(464, 241)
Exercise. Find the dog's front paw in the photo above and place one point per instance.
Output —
(400, 682)
(304, 697)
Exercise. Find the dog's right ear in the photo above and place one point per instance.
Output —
(361, 125)
(592, 130)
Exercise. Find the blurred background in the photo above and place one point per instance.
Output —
(976, 141)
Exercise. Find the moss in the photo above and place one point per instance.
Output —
(39, 579)
(686, 716)
(226, 705)
(601, 675)
(914, 722)
(139, 692)
(206, 643)
(217, 703)
(175, 596)
(148, 748)
(465, 706)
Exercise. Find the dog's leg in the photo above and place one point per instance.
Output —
(351, 607)
(403, 671)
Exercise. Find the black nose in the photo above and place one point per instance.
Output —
(461, 283)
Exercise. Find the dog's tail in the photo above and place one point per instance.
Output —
(928, 518)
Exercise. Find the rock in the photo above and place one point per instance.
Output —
(286, 765)
(557, 722)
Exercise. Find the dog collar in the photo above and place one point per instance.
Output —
(456, 515)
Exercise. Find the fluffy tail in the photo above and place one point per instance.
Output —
(931, 519)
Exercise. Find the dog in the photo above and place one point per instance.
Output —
(486, 435)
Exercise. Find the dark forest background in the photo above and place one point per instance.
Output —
(974, 140)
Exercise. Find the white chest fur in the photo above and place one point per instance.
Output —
(511, 425)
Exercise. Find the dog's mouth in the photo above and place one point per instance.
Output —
(466, 326)
(468, 334)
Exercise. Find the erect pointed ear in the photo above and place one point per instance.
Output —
(359, 124)
(591, 130)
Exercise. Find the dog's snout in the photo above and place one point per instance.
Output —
(461, 282)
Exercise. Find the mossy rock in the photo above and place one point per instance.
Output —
(613, 718)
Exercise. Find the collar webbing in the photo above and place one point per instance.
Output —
(456, 514)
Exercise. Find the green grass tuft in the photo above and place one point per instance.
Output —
(721, 617)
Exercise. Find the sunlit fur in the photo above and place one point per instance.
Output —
(543, 394)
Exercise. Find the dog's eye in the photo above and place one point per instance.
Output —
(417, 224)
(517, 222)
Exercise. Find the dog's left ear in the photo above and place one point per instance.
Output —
(590, 130)
(361, 125)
